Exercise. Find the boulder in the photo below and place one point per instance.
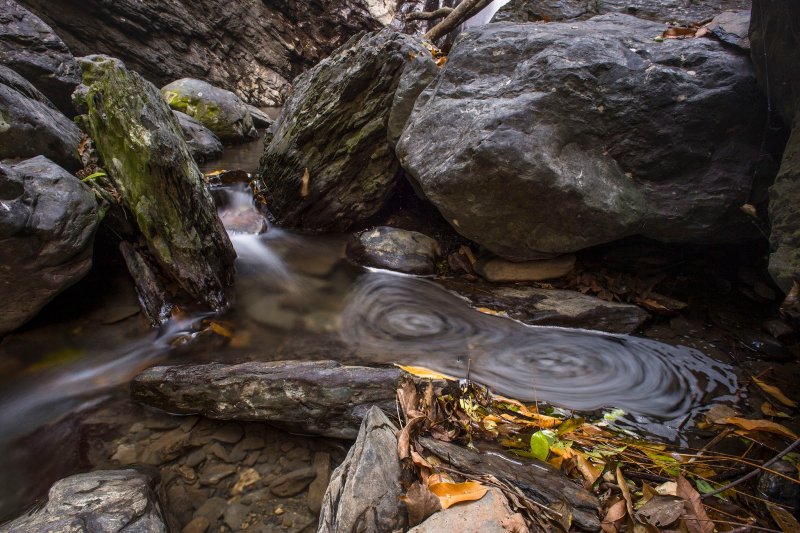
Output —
(203, 144)
(253, 48)
(260, 118)
(676, 11)
(149, 164)
(105, 500)
(394, 249)
(319, 397)
(329, 165)
(775, 42)
(577, 134)
(31, 48)
(500, 270)
(219, 110)
(364, 491)
(31, 126)
(552, 307)
(732, 27)
(483, 516)
(47, 224)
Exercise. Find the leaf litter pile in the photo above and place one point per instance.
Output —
(640, 486)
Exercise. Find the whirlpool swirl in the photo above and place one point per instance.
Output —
(392, 318)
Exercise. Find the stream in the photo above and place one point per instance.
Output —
(297, 297)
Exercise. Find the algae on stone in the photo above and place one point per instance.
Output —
(149, 164)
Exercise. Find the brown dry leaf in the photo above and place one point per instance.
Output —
(304, 183)
(441, 61)
(626, 493)
(648, 493)
(588, 470)
(615, 512)
(702, 32)
(720, 412)
(408, 398)
(487, 311)
(515, 524)
(775, 392)
(783, 518)
(420, 502)
(759, 425)
(425, 373)
(678, 33)
(248, 477)
(404, 440)
(219, 329)
(768, 410)
(661, 511)
(451, 493)
(696, 519)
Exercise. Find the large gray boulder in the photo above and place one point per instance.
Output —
(149, 164)
(329, 164)
(775, 42)
(253, 48)
(47, 224)
(394, 249)
(111, 501)
(678, 11)
(364, 491)
(202, 143)
(221, 111)
(31, 126)
(538, 139)
(30, 47)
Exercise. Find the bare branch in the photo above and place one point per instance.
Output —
(429, 15)
(462, 12)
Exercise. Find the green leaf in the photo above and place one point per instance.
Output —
(571, 424)
(704, 486)
(94, 176)
(611, 416)
(540, 444)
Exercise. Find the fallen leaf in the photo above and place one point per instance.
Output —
(775, 392)
(408, 398)
(661, 511)
(719, 412)
(614, 513)
(768, 410)
(452, 493)
(487, 311)
(783, 518)
(749, 210)
(420, 502)
(304, 184)
(589, 472)
(404, 439)
(248, 477)
(670, 488)
(219, 329)
(696, 519)
(540, 446)
(678, 33)
(515, 524)
(626, 493)
(424, 373)
(759, 425)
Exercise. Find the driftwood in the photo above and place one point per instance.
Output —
(538, 480)
(153, 297)
(462, 12)
(317, 397)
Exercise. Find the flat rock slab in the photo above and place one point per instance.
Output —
(501, 270)
(106, 500)
(536, 479)
(318, 397)
(552, 307)
(364, 492)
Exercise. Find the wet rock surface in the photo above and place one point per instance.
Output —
(149, 163)
(595, 132)
(364, 492)
(47, 224)
(394, 249)
(30, 125)
(106, 500)
(501, 270)
(202, 143)
(318, 397)
(252, 48)
(483, 516)
(677, 11)
(329, 165)
(31, 48)
(219, 110)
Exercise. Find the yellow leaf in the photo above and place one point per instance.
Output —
(775, 392)
(759, 425)
(215, 173)
(556, 462)
(422, 372)
(487, 311)
(769, 410)
(219, 329)
(452, 493)
(304, 184)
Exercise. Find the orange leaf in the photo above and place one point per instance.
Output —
(452, 493)
(589, 472)
(775, 392)
(759, 425)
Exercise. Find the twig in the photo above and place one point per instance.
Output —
(753, 473)
(429, 15)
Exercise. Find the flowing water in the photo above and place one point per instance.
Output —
(296, 296)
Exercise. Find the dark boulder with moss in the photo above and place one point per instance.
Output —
(775, 42)
(31, 48)
(539, 139)
(148, 162)
(30, 125)
(329, 165)
(219, 110)
(47, 225)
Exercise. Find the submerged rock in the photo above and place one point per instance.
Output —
(319, 397)
(203, 144)
(364, 491)
(253, 48)
(394, 249)
(111, 501)
(31, 126)
(577, 134)
(47, 224)
(329, 165)
(775, 38)
(219, 110)
(31, 48)
(149, 163)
